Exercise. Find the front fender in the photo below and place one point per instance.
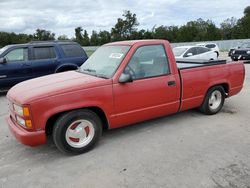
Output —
(45, 108)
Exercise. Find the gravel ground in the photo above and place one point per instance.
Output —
(185, 150)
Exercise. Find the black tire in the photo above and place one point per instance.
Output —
(206, 107)
(66, 120)
(217, 54)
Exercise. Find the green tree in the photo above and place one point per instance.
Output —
(63, 37)
(82, 39)
(212, 32)
(244, 24)
(160, 32)
(43, 35)
(85, 39)
(104, 37)
(124, 27)
(94, 41)
(228, 28)
(78, 35)
(247, 11)
(188, 32)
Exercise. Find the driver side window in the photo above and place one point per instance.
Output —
(148, 61)
(20, 54)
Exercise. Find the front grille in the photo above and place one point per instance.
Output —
(240, 52)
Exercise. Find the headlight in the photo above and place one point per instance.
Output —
(248, 52)
(22, 111)
(23, 117)
(20, 121)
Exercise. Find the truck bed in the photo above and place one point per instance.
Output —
(192, 63)
(197, 76)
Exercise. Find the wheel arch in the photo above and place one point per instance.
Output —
(66, 67)
(99, 111)
(225, 86)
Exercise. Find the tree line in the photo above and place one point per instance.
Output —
(126, 28)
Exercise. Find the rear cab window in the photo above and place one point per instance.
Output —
(73, 50)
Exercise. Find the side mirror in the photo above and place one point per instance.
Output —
(3, 60)
(189, 54)
(124, 78)
(238, 47)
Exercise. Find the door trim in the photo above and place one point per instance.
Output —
(3, 76)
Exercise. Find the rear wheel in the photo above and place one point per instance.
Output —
(77, 131)
(213, 101)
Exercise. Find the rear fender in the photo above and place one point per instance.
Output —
(222, 83)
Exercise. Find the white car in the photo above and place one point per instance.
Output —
(194, 52)
(213, 46)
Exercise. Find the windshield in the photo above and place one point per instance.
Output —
(245, 45)
(179, 51)
(104, 61)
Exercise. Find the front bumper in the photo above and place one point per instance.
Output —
(34, 138)
(236, 57)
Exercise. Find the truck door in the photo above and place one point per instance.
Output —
(18, 67)
(153, 92)
(44, 60)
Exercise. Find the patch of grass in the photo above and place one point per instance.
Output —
(89, 52)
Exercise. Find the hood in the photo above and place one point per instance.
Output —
(46, 86)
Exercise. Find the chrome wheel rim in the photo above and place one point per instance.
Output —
(80, 133)
(215, 100)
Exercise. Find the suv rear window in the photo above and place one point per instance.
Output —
(210, 46)
(72, 50)
(47, 52)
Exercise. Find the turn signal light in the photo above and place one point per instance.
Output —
(26, 111)
(28, 124)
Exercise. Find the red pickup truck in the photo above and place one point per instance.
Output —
(120, 84)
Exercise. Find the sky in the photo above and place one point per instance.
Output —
(62, 17)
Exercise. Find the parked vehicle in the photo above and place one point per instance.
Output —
(213, 46)
(230, 51)
(194, 52)
(242, 53)
(120, 84)
(25, 61)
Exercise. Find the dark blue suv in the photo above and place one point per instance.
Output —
(25, 61)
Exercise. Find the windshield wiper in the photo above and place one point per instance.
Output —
(101, 76)
(89, 70)
(94, 73)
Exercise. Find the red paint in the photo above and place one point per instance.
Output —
(25, 137)
(123, 104)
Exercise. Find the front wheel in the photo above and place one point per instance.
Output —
(213, 101)
(77, 131)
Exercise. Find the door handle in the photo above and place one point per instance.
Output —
(171, 83)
